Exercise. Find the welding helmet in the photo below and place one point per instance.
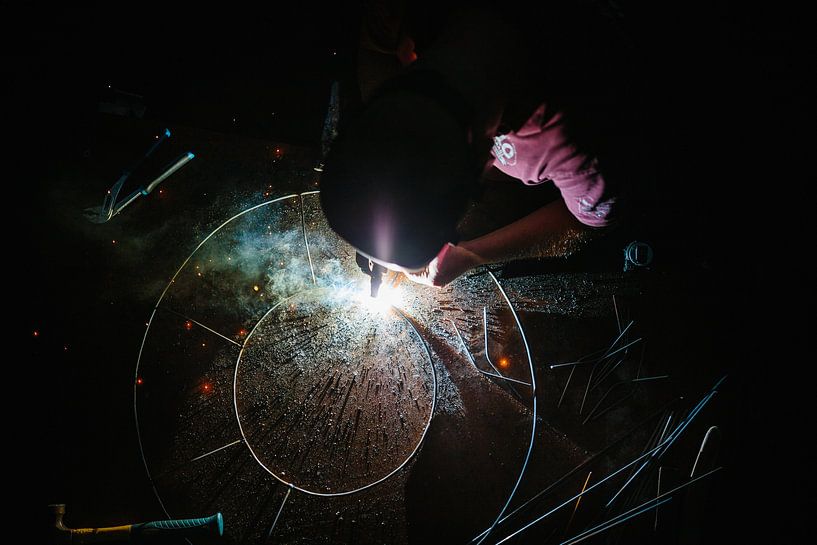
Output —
(399, 176)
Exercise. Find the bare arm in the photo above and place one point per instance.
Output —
(551, 231)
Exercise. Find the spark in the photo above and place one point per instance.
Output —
(207, 387)
(113, 241)
(203, 344)
(255, 288)
(139, 380)
(188, 325)
(242, 332)
(36, 333)
(504, 362)
(198, 274)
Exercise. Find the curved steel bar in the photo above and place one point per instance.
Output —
(306, 240)
(473, 363)
(533, 419)
(370, 485)
(147, 330)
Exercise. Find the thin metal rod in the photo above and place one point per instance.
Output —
(700, 450)
(278, 514)
(658, 493)
(641, 359)
(587, 388)
(573, 514)
(610, 407)
(645, 379)
(210, 329)
(567, 475)
(603, 374)
(596, 406)
(471, 359)
(623, 517)
(306, 239)
(216, 450)
(578, 362)
(606, 354)
(570, 376)
(620, 519)
(646, 462)
(615, 307)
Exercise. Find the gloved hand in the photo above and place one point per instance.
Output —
(450, 262)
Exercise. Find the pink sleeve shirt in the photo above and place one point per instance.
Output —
(541, 151)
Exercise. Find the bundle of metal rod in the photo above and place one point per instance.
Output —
(531, 502)
(658, 451)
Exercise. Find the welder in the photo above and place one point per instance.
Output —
(398, 178)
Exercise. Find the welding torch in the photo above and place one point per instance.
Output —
(373, 270)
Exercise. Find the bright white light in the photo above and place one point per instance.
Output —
(387, 298)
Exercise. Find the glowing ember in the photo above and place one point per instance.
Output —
(206, 387)
(113, 242)
(139, 380)
(36, 333)
(504, 363)
(188, 325)
(255, 288)
(242, 332)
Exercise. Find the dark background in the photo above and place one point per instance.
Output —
(730, 137)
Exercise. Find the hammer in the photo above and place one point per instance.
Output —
(135, 533)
